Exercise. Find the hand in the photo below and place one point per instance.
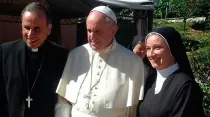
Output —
(140, 49)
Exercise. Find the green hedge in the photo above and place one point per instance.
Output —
(200, 63)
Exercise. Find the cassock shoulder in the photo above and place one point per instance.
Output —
(187, 91)
(178, 79)
(121, 49)
(12, 45)
(80, 52)
(188, 101)
(12, 48)
(58, 48)
(130, 60)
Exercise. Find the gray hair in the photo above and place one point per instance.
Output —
(36, 7)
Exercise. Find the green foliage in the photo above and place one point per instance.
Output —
(191, 45)
(157, 13)
(124, 14)
(163, 8)
(203, 8)
(201, 36)
(185, 8)
(178, 26)
(201, 25)
(206, 90)
(200, 63)
(178, 8)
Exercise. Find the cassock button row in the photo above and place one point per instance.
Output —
(92, 113)
(86, 105)
(93, 109)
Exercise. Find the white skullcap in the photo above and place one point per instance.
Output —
(107, 11)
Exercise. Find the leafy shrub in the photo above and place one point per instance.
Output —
(200, 63)
(206, 89)
(193, 44)
(200, 25)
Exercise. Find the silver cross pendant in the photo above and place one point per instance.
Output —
(29, 99)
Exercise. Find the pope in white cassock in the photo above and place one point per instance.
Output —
(101, 78)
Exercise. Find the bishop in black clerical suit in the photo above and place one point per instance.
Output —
(30, 68)
(20, 68)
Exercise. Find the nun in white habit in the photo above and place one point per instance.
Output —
(101, 78)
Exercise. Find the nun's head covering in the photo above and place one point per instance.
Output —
(176, 46)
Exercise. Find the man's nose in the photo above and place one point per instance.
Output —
(92, 35)
(30, 33)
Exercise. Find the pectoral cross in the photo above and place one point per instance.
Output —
(87, 97)
(29, 99)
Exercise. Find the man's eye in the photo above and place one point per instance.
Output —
(37, 29)
(89, 31)
(96, 31)
(26, 28)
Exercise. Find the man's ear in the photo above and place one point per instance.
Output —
(49, 26)
(114, 30)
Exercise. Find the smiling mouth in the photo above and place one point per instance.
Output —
(95, 43)
(155, 60)
(32, 42)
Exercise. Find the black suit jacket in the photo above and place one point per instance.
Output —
(13, 80)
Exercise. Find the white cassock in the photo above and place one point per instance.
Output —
(105, 84)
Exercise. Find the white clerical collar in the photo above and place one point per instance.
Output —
(34, 49)
(162, 75)
(168, 71)
(109, 48)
